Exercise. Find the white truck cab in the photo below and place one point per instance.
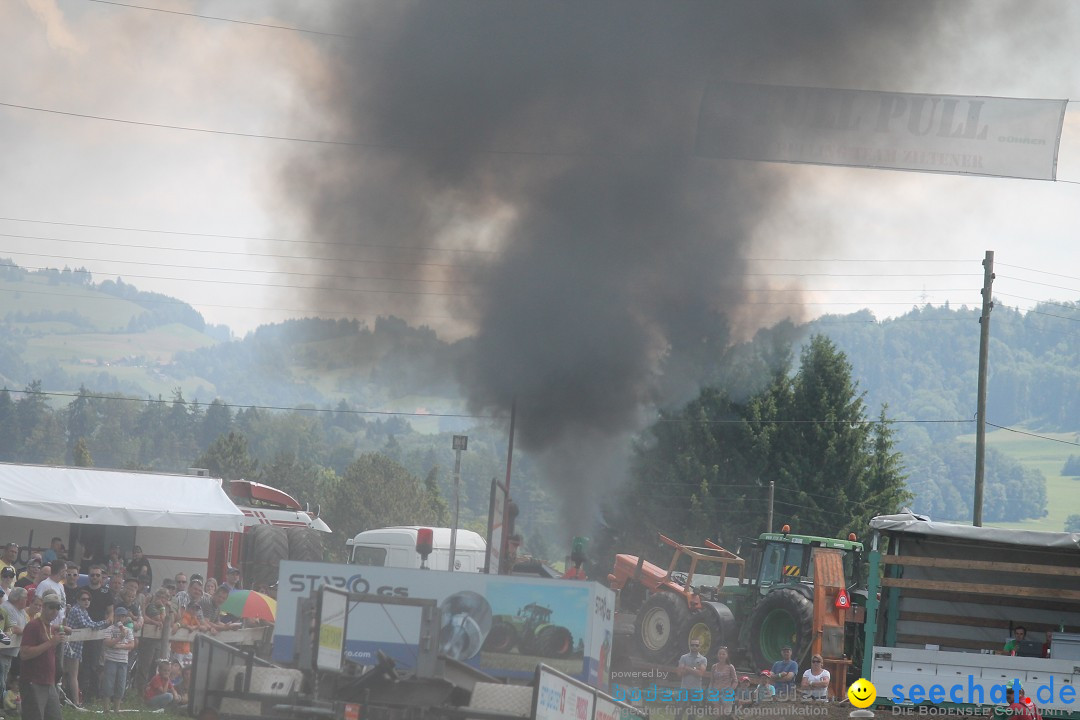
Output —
(396, 547)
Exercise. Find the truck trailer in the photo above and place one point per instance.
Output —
(944, 599)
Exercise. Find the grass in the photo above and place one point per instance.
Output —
(1047, 454)
(153, 346)
(34, 294)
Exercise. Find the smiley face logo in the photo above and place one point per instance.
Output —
(862, 693)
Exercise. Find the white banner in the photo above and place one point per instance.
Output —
(1001, 137)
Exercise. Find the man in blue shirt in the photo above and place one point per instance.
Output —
(784, 673)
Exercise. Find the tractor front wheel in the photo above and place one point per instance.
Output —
(662, 628)
(782, 617)
(554, 642)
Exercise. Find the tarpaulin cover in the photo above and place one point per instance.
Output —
(911, 523)
(114, 497)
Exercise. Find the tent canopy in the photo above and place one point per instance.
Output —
(114, 497)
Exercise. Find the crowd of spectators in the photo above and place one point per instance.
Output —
(43, 601)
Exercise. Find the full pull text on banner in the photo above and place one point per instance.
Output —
(1000, 137)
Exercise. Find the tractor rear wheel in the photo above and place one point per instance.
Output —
(662, 627)
(782, 617)
(554, 642)
(705, 628)
(502, 638)
(305, 544)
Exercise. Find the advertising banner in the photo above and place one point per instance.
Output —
(502, 625)
(1003, 137)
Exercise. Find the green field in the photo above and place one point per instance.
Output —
(157, 345)
(1047, 454)
(36, 294)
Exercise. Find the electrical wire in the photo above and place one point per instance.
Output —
(1034, 435)
(418, 248)
(228, 20)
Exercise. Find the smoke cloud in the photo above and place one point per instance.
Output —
(550, 144)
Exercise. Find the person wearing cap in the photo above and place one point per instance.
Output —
(7, 579)
(765, 692)
(54, 582)
(37, 661)
(784, 672)
(232, 576)
(1020, 705)
(14, 618)
(815, 681)
(120, 642)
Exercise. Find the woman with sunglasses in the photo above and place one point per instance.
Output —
(815, 681)
(78, 618)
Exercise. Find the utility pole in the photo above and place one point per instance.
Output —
(772, 494)
(461, 442)
(984, 361)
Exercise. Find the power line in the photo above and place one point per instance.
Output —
(1035, 282)
(233, 406)
(228, 20)
(278, 285)
(1034, 435)
(141, 301)
(235, 252)
(739, 421)
(418, 248)
(1043, 272)
(314, 141)
(363, 278)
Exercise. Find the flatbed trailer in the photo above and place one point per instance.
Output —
(943, 600)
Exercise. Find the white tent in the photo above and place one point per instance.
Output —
(115, 497)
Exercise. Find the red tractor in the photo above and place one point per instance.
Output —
(667, 609)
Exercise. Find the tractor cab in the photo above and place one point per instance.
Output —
(778, 559)
(535, 614)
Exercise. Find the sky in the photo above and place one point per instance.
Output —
(843, 238)
(525, 174)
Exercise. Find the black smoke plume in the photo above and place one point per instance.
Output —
(555, 141)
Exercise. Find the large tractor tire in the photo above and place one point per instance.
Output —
(305, 544)
(267, 546)
(502, 637)
(554, 642)
(782, 617)
(662, 628)
(705, 628)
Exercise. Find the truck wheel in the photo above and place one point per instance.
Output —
(662, 628)
(554, 642)
(502, 638)
(305, 544)
(782, 617)
(269, 546)
(705, 628)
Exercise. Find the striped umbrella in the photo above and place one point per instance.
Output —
(250, 604)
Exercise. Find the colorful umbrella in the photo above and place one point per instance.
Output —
(250, 604)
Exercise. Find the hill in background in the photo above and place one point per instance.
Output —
(66, 331)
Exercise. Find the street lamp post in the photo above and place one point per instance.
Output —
(461, 442)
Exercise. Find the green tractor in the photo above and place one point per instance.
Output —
(767, 604)
(531, 631)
